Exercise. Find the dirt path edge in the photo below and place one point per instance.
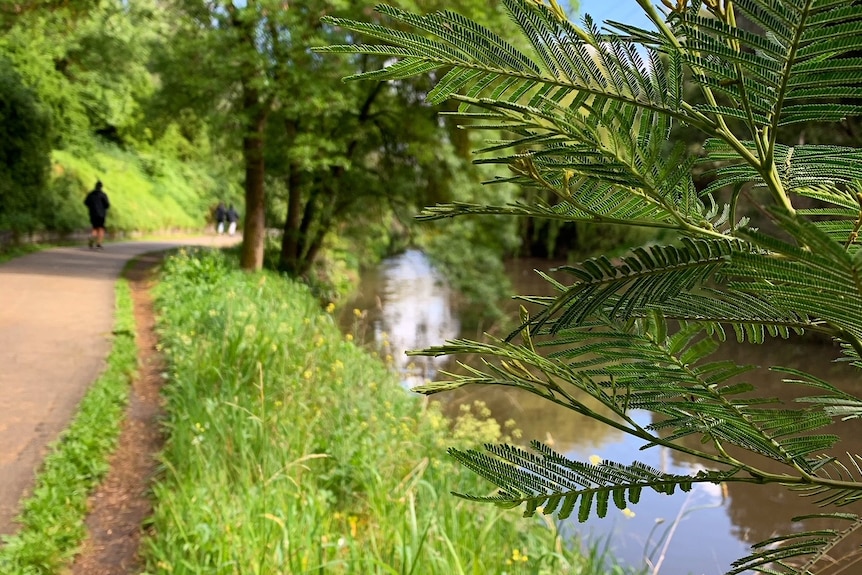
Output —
(121, 504)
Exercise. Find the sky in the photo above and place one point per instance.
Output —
(627, 11)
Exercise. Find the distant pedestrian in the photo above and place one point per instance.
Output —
(97, 204)
(232, 218)
(220, 217)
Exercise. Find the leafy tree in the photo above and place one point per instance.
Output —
(11, 12)
(590, 113)
(24, 152)
(87, 63)
(340, 152)
(332, 155)
(215, 58)
(347, 154)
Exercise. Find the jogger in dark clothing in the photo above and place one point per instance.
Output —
(97, 204)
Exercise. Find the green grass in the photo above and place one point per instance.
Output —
(52, 520)
(148, 192)
(291, 450)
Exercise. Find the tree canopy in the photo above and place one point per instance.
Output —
(24, 149)
(331, 154)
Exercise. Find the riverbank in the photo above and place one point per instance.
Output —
(290, 449)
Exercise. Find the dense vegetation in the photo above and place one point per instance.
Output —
(590, 115)
(676, 135)
(176, 104)
(257, 477)
(76, 87)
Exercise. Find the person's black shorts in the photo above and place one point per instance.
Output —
(97, 222)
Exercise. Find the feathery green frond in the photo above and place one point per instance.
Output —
(550, 483)
(584, 116)
(641, 279)
(802, 53)
(773, 555)
(800, 168)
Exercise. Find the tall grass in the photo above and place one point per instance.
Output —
(290, 450)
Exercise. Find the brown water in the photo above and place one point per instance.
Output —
(408, 305)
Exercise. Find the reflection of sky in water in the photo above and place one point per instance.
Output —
(416, 313)
(696, 523)
(713, 527)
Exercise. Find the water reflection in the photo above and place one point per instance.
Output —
(756, 513)
(408, 305)
(697, 533)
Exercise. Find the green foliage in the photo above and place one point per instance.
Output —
(257, 474)
(76, 75)
(24, 152)
(336, 156)
(176, 195)
(589, 114)
(52, 520)
(87, 64)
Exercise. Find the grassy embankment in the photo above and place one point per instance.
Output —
(291, 450)
(52, 518)
(146, 193)
(149, 192)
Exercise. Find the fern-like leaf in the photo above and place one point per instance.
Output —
(799, 553)
(550, 483)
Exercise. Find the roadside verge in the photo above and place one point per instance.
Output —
(53, 519)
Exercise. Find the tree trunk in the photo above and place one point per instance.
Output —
(304, 265)
(290, 252)
(254, 230)
(255, 111)
(289, 257)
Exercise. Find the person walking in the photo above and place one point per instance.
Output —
(97, 205)
(232, 218)
(220, 217)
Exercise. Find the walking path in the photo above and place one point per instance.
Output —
(56, 317)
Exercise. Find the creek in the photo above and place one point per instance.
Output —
(406, 305)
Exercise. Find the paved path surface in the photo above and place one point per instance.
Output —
(56, 317)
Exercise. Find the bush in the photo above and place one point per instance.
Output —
(24, 153)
